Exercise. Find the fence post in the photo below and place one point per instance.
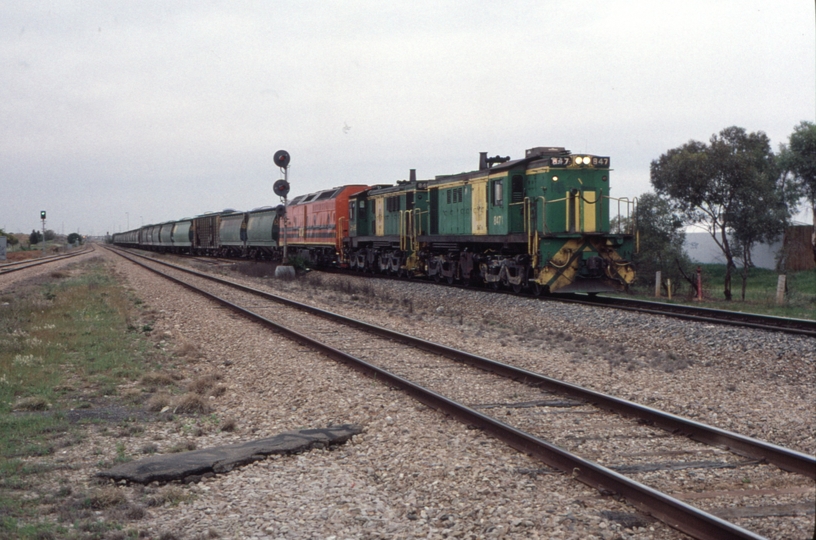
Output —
(699, 284)
(780, 289)
(668, 288)
(657, 284)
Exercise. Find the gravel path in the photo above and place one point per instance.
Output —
(414, 472)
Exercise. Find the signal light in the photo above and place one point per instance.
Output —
(281, 188)
(281, 158)
(42, 214)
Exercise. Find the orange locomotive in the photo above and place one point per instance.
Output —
(317, 224)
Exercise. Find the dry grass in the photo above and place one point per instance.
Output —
(153, 380)
(191, 403)
(205, 384)
(159, 401)
(169, 494)
(186, 349)
(185, 446)
(34, 403)
(106, 497)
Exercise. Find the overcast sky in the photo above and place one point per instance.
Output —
(117, 114)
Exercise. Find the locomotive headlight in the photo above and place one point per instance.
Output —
(586, 160)
(555, 179)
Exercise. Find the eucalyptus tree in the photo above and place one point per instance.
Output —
(661, 238)
(727, 186)
(798, 159)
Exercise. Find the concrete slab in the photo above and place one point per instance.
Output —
(189, 466)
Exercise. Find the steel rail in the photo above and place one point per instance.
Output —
(804, 327)
(13, 267)
(784, 458)
(671, 511)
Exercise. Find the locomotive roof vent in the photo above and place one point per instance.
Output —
(546, 151)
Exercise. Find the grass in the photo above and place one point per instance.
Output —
(760, 292)
(64, 343)
(72, 336)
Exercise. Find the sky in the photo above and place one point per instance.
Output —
(115, 115)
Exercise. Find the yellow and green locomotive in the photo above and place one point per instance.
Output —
(540, 223)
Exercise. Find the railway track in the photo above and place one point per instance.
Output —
(657, 461)
(695, 313)
(22, 265)
(805, 327)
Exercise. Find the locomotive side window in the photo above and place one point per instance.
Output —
(351, 210)
(498, 192)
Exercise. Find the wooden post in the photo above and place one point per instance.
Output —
(657, 284)
(780, 289)
(668, 288)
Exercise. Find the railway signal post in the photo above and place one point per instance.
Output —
(281, 189)
(42, 217)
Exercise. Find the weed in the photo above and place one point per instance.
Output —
(159, 401)
(191, 403)
(33, 403)
(204, 385)
(186, 446)
(670, 362)
(120, 453)
(186, 349)
(106, 497)
(228, 424)
(155, 378)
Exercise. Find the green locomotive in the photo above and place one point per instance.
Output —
(541, 222)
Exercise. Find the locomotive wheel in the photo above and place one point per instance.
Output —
(437, 277)
(449, 280)
(517, 288)
(537, 288)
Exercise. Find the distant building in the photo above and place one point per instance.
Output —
(701, 248)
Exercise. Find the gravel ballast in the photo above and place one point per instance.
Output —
(414, 472)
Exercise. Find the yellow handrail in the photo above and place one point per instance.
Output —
(401, 230)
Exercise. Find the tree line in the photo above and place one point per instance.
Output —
(735, 187)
